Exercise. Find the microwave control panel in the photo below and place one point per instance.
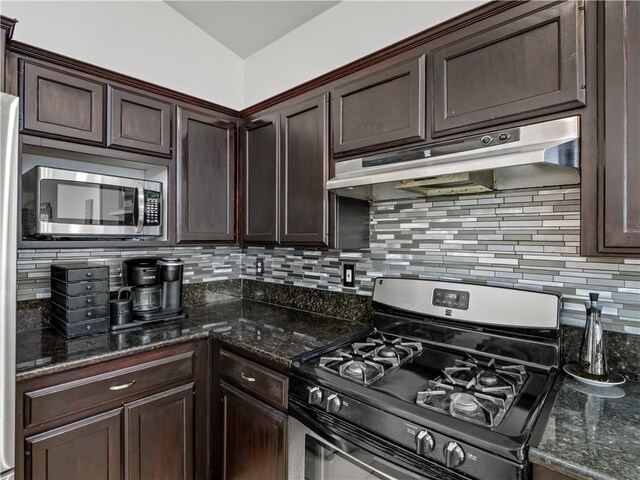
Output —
(152, 211)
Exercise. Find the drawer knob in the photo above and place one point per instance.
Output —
(89, 301)
(89, 287)
(247, 377)
(122, 386)
(89, 274)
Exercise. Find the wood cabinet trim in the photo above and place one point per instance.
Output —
(115, 136)
(321, 236)
(43, 405)
(570, 92)
(247, 128)
(36, 446)
(31, 75)
(267, 385)
(182, 210)
(620, 158)
(415, 69)
(132, 441)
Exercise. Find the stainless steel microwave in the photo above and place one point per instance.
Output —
(66, 203)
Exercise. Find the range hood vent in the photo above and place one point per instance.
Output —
(539, 155)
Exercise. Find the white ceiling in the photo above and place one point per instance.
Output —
(245, 27)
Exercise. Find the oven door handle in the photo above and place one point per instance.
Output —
(139, 208)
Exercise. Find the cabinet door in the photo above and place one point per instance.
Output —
(86, 449)
(303, 172)
(159, 434)
(140, 123)
(206, 178)
(621, 124)
(519, 63)
(254, 438)
(59, 104)
(384, 109)
(260, 145)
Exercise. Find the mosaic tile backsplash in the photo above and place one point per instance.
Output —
(524, 239)
(201, 265)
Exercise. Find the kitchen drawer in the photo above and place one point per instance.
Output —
(54, 402)
(80, 288)
(79, 272)
(81, 315)
(265, 384)
(82, 301)
(78, 329)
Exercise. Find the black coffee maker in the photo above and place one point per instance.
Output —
(157, 288)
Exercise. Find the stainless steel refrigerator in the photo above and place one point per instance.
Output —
(8, 273)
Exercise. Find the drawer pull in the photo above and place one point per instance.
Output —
(122, 386)
(247, 377)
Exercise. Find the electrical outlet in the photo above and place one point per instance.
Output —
(259, 267)
(349, 275)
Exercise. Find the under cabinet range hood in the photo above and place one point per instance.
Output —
(538, 155)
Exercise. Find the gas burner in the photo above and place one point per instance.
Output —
(477, 392)
(463, 402)
(385, 350)
(487, 379)
(364, 372)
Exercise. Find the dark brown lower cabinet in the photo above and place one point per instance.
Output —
(159, 435)
(543, 473)
(254, 438)
(147, 418)
(87, 449)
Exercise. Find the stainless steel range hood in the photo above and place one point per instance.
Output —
(539, 155)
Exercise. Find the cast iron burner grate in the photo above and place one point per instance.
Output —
(479, 393)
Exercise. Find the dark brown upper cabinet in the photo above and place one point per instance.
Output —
(61, 105)
(521, 63)
(304, 165)
(138, 123)
(383, 109)
(261, 160)
(619, 141)
(205, 201)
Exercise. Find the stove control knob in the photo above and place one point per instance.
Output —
(424, 442)
(334, 403)
(315, 395)
(453, 455)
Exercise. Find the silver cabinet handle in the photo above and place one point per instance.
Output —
(122, 386)
(247, 377)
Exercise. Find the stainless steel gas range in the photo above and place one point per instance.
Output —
(449, 385)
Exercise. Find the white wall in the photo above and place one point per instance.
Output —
(344, 33)
(146, 40)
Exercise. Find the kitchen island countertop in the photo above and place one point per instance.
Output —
(276, 334)
(589, 436)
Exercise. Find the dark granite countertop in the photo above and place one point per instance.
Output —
(277, 334)
(590, 436)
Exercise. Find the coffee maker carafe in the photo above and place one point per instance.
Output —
(157, 288)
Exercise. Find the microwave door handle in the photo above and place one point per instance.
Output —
(139, 210)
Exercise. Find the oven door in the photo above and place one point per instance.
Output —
(332, 450)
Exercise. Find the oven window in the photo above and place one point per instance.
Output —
(86, 203)
(325, 463)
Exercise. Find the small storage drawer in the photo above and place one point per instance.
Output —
(80, 288)
(78, 329)
(121, 385)
(80, 315)
(83, 301)
(264, 383)
(79, 272)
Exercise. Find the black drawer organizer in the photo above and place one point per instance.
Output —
(80, 298)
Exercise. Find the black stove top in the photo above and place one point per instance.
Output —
(445, 388)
